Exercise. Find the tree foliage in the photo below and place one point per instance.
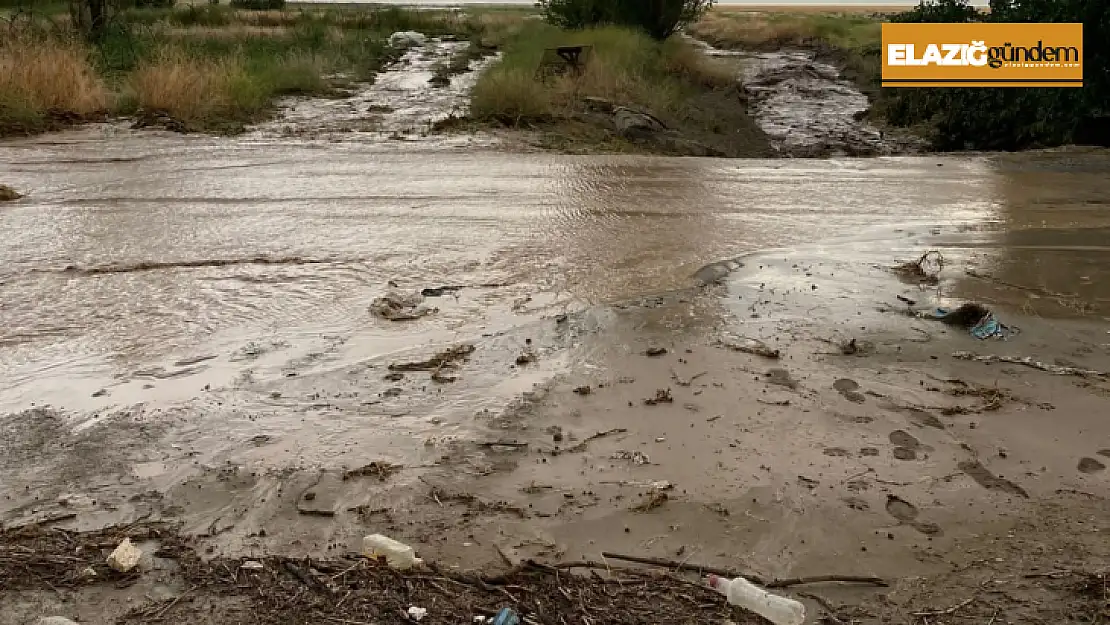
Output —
(1014, 118)
(658, 18)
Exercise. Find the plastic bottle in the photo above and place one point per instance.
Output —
(397, 555)
(741, 592)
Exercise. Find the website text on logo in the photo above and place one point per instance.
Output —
(987, 55)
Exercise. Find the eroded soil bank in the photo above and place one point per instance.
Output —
(186, 336)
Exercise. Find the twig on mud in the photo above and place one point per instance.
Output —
(820, 579)
(503, 444)
(54, 518)
(344, 621)
(582, 446)
(1029, 362)
(159, 614)
(830, 609)
(947, 611)
(777, 583)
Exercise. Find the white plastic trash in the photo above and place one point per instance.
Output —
(741, 592)
(397, 554)
(417, 614)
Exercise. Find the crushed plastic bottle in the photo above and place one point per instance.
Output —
(397, 554)
(741, 592)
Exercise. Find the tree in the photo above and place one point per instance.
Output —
(658, 18)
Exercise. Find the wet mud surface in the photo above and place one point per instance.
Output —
(402, 104)
(160, 357)
(807, 109)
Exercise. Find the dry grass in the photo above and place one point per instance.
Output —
(40, 77)
(762, 30)
(227, 33)
(183, 87)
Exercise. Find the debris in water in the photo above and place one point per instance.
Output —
(446, 359)
(924, 270)
(662, 396)
(379, 469)
(750, 346)
(526, 357)
(655, 351)
(440, 290)
(654, 499)
(397, 306)
(1029, 362)
(637, 457)
(8, 194)
(978, 319)
(252, 565)
(583, 390)
(417, 614)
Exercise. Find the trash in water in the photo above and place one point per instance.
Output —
(397, 306)
(125, 557)
(506, 616)
(978, 319)
(637, 457)
(417, 614)
(925, 270)
(741, 592)
(252, 565)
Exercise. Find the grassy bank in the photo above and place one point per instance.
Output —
(670, 80)
(210, 68)
(850, 40)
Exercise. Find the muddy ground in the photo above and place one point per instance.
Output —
(709, 361)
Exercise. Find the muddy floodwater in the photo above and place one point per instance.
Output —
(185, 332)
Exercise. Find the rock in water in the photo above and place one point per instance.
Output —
(8, 194)
(407, 39)
(125, 557)
(635, 125)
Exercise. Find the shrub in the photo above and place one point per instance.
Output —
(47, 77)
(258, 5)
(1013, 118)
(658, 18)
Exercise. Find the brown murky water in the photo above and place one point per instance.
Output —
(136, 252)
(221, 287)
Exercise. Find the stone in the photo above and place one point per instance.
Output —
(125, 557)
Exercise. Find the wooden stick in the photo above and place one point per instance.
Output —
(755, 579)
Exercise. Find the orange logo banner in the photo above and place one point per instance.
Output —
(982, 55)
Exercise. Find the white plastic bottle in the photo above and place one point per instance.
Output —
(741, 592)
(397, 554)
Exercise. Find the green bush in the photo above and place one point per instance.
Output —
(1013, 118)
(258, 5)
(658, 18)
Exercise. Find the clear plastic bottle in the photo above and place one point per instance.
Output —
(397, 554)
(741, 592)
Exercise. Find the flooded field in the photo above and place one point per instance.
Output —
(186, 332)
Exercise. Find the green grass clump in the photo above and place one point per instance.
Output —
(624, 66)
